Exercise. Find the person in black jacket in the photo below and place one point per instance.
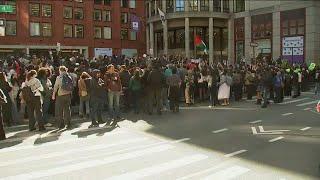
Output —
(267, 82)
(125, 78)
(156, 80)
(97, 95)
(6, 108)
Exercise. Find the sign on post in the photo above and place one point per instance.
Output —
(253, 44)
(58, 46)
(6, 9)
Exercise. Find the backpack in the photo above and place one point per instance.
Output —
(229, 81)
(27, 93)
(67, 83)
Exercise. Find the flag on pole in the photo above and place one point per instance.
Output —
(162, 16)
(200, 45)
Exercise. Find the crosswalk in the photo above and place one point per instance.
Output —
(298, 102)
(125, 155)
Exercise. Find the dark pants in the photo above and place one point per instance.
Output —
(126, 98)
(35, 107)
(214, 95)
(155, 99)
(63, 111)
(279, 94)
(136, 95)
(266, 94)
(2, 133)
(237, 89)
(250, 89)
(96, 111)
(7, 112)
(174, 97)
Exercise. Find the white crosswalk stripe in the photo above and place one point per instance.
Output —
(308, 103)
(293, 101)
(70, 152)
(90, 164)
(157, 169)
(228, 173)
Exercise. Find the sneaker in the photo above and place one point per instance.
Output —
(93, 126)
(210, 106)
(48, 124)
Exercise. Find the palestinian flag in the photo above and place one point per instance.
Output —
(200, 45)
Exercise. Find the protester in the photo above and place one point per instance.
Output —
(84, 95)
(32, 89)
(62, 91)
(3, 101)
(174, 83)
(135, 86)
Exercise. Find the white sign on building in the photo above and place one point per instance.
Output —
(2, 31)
(102, 52)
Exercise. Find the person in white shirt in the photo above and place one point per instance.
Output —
(34, 105)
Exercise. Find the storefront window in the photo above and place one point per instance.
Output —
(179, 5)
(193, 5)
(293, 22)
(46, 29)
(261, 26)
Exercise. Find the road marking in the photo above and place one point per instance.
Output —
(287, 114)
(293, 101)
(82, 158)
(307, 109)
(263, 132)
(229, 173)
(308, 103)
(153, 170)
(90, 164)
(220, 130)
(71, 151)
(276, 139)
(235, 153)
(254, 122)
(306, 128)
(60, 142)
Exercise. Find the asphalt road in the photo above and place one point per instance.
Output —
(241, 141)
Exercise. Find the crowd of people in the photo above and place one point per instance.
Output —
(44, 90)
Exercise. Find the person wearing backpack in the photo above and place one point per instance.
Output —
(62, 91)
(31, 90)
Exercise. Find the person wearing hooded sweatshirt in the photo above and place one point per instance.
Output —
(34, 106)
(97, 96)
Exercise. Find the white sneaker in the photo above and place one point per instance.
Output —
(48, 124)
(210, 106)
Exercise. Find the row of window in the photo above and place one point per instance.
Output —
(69, 31)
(196, 5)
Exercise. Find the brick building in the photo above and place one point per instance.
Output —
(89, 27)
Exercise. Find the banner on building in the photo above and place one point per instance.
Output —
(135, 22)
(102, 52)
(293, 49)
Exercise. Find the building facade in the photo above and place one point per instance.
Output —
(236, 29)
(88, 27)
